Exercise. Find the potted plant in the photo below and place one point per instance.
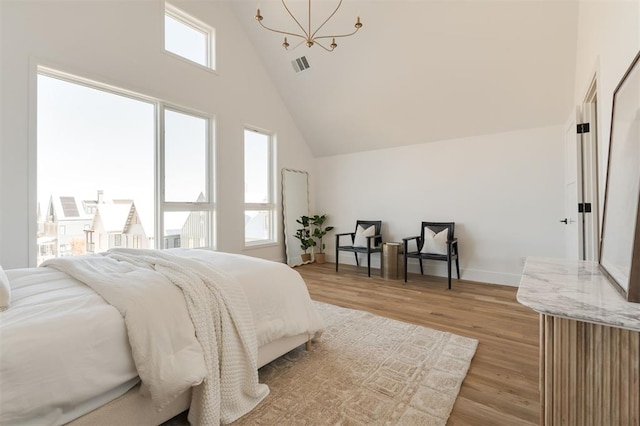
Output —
(319, 231)
(304, 235)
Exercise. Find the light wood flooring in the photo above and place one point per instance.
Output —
(501, 387)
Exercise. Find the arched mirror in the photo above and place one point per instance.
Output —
(295, 203)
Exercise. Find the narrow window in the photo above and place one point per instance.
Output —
(259, 210)
(187, 197)
(187, 37)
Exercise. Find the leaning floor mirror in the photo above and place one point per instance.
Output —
(620, 241)
(295, 204)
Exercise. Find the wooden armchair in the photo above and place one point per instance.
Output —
(439, 245)
(363, 240)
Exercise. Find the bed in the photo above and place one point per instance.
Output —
(68, 356)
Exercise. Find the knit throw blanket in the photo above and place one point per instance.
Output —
(221, 318)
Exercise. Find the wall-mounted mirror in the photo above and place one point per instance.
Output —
(295, 203)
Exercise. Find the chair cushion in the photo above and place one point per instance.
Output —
(435, 243)
(360, 239)
(5, 291)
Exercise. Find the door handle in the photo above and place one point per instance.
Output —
(565, 221)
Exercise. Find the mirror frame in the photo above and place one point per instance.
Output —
(620, 238)
(290, 242)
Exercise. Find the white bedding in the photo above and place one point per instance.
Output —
(276, 293)
(60, 345)
(277, 296)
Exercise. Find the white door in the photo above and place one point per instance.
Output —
(573, 235)
(581, 186)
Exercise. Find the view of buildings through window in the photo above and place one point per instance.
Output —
(96, 169)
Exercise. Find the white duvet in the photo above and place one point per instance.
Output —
(61, 345)
(279, 305)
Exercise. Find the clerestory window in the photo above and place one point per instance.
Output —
(188, 37)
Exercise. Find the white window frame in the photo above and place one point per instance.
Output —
(181, 206)
(160, 206)
(270, 205)
(194, 23)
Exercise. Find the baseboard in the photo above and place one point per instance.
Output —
(439, 269)
(490, 277)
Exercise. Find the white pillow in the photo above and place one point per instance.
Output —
(361, 236)
(5, 291)
(435, 243)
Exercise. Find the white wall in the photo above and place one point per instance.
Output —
(120, 43)
(504, 192)
(608, 40)
(507, 197)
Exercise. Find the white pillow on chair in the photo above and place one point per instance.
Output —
(5, 291)
(435, 243)
(361, 236)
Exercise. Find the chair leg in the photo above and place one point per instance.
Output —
(457, 268)
(421, 270)
(337, 257)
(357, 261)
(369, 263)
(449, 270)
(405, 266)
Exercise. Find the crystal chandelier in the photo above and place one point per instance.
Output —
(308, 37)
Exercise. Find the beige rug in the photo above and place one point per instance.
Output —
(368, 370)
(364, 370)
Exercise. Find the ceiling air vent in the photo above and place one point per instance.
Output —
(300, 64)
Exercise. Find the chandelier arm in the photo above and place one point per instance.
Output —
(281, 32)
(325, 48)
(337, 36)
(299, 43)
(307, 36)
(313, 36)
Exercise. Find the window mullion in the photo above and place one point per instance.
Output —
(160, 174)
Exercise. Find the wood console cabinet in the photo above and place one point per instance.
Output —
(589, 344)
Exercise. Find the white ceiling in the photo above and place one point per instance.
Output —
(422, 71)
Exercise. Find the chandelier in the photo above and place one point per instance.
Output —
(308, 37)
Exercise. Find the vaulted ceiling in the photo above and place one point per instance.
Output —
(421, 71)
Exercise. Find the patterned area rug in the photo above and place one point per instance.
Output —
(365, 370)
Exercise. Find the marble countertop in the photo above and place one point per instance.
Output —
(577, 290)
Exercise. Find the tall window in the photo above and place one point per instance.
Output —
(259, 210)
(187, 198)
(99, 159)
(189, 38)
